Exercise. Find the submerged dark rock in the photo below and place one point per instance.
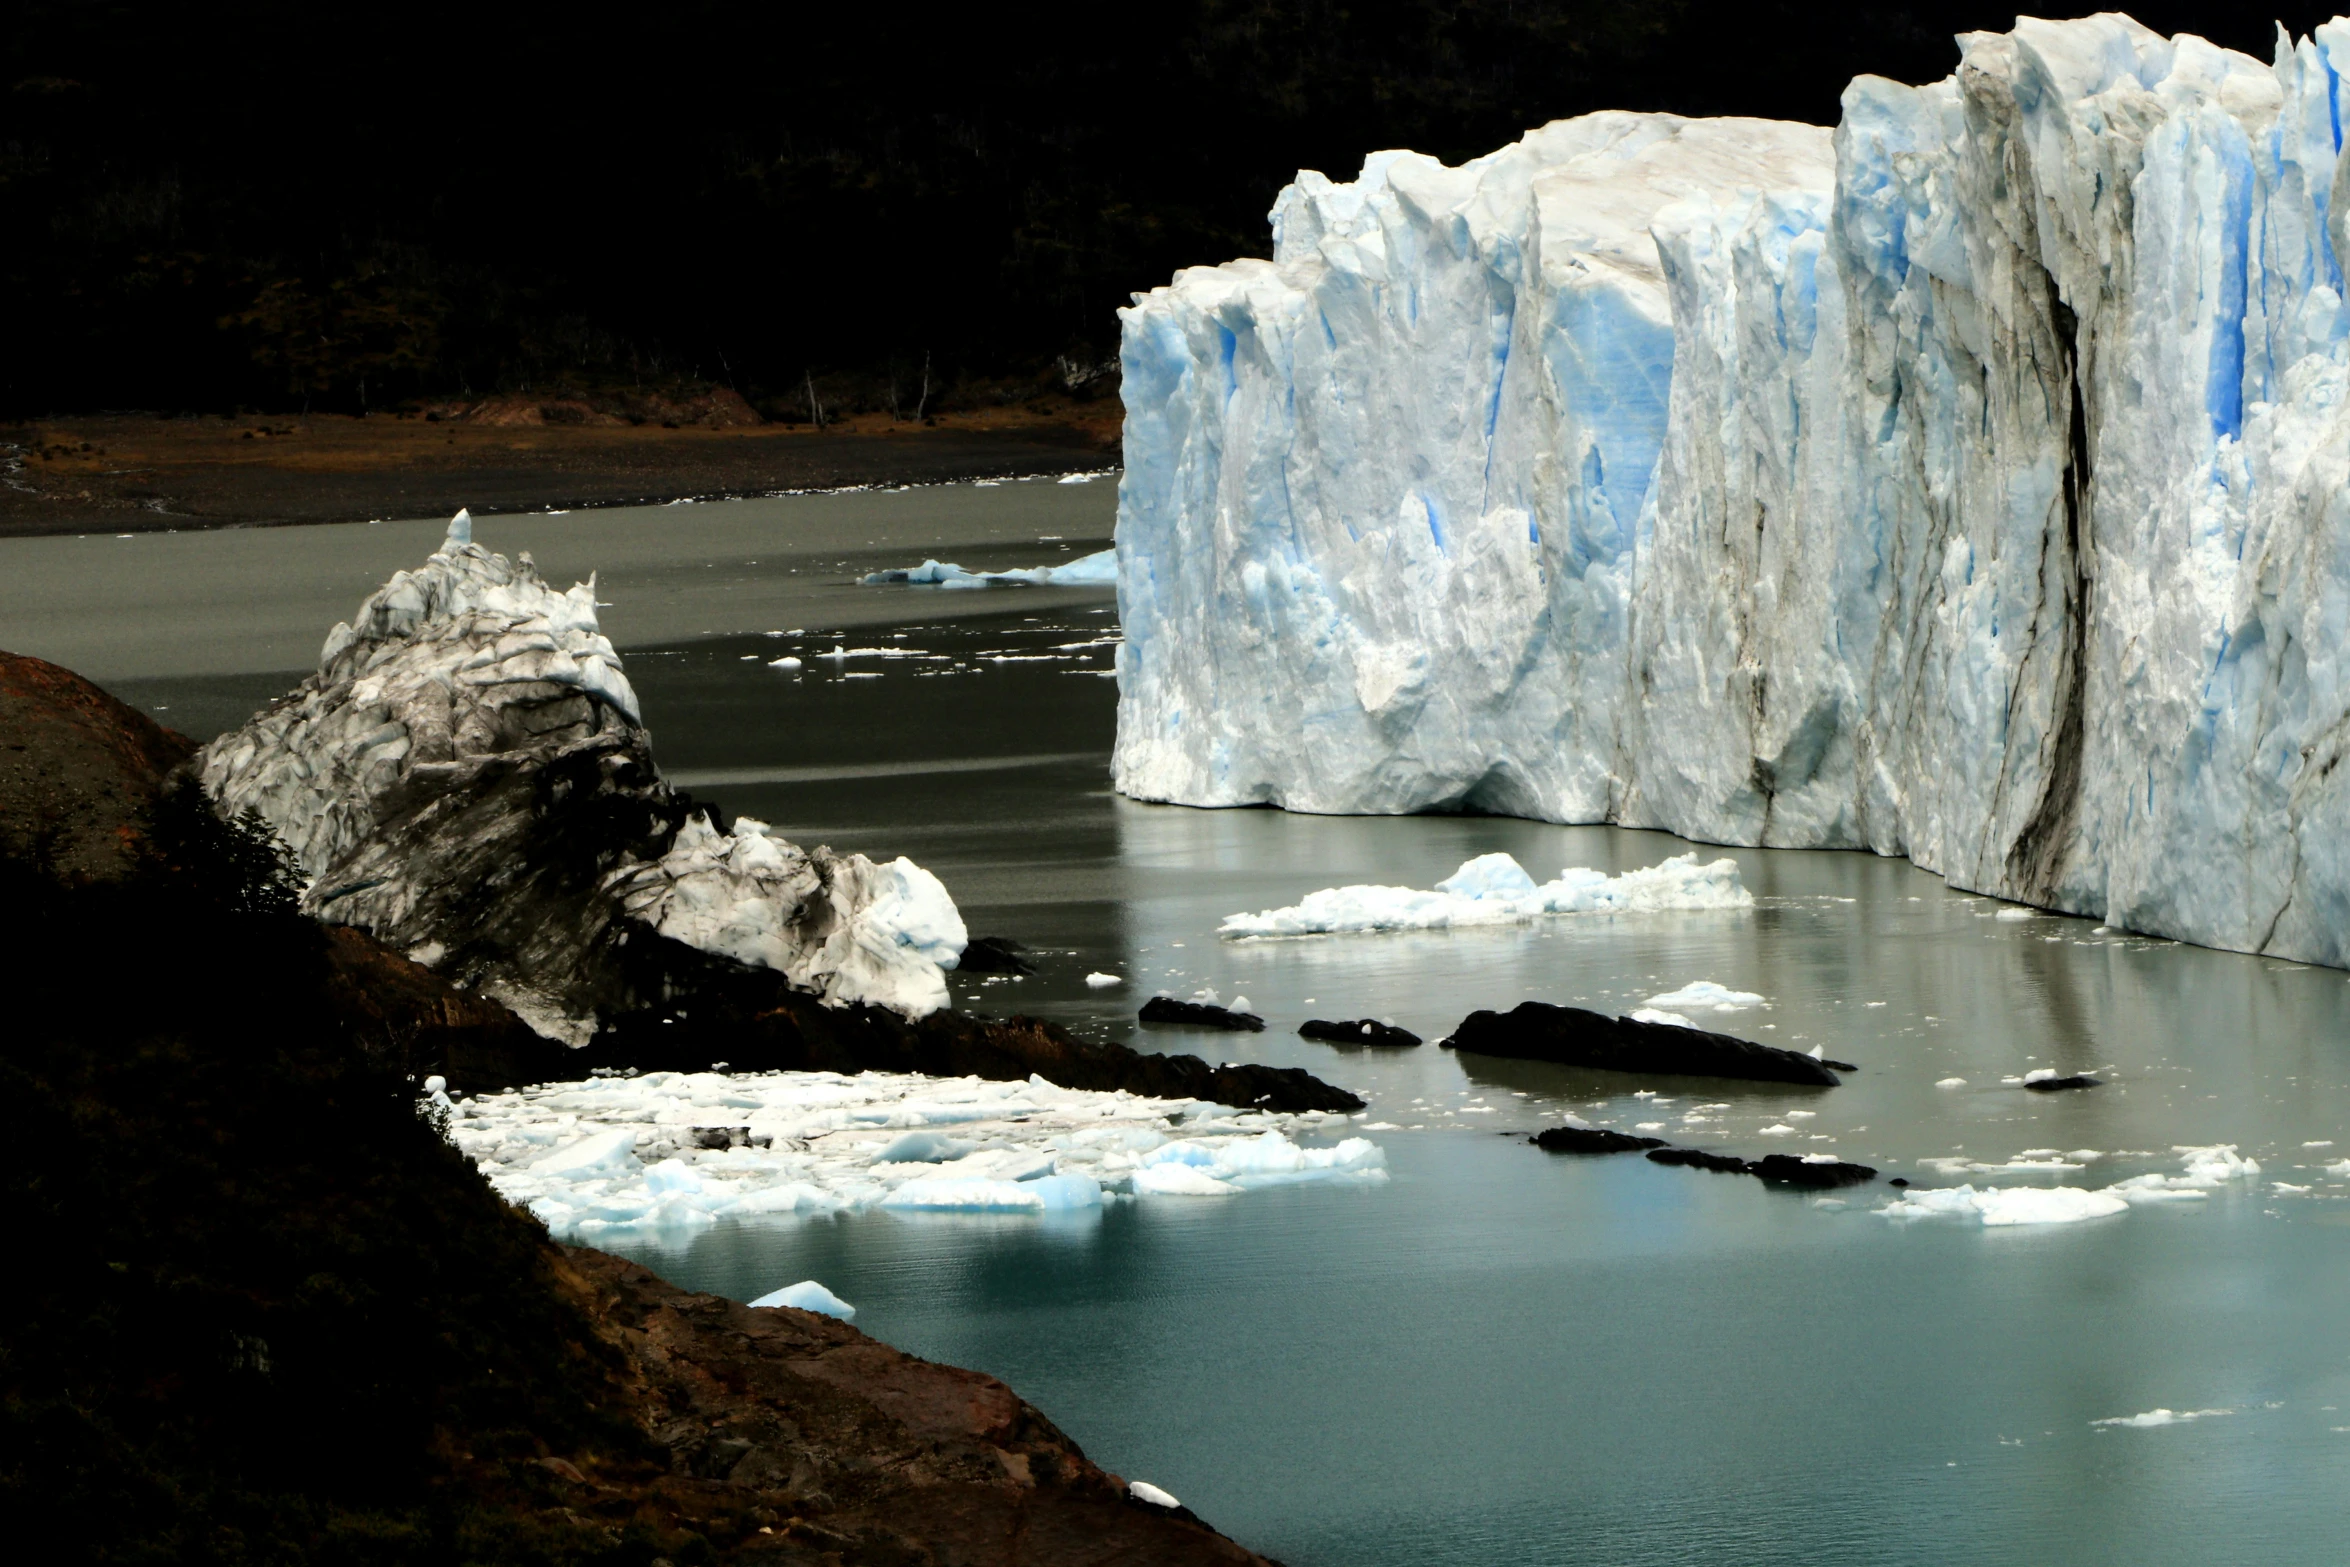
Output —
(1592, 1139)
(1788, 1170)
(2058, 1085)
(1571, 1036)
(1200, 1014)
(1699, 1159)
(995, 955)
(755, 1020)
(1362, 1031)
(1780, 1169)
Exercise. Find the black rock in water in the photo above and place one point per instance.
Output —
(2057, 1085)
(1592, 1139)
(1362, 1031)
(1699, 1159)
(1570, 1036)
(995, 955)
(1199, 1014)
(1788, 1170)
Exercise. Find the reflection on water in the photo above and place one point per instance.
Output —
(1505, 1356)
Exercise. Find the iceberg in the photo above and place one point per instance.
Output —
(1494, 889)
(468, 777)
(1970, 482)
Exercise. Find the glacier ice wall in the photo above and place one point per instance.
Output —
(1970, 483)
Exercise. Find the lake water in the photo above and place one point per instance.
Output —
(1501, 1355)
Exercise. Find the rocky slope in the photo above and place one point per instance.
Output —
(273, 1315)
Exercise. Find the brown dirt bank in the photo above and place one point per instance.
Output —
(130, 473)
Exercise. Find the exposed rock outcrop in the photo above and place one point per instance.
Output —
(1200, 1014)
(1570, 1036)
(1360, 1031)
(81, 774)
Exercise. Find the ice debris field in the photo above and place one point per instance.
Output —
(1969, 482)
(1494, 889)
(2207, 1170)
(612, 1155)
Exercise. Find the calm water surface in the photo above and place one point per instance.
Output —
(1504, 1356)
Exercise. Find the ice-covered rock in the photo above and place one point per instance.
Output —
(1972, 483)
(467, 776)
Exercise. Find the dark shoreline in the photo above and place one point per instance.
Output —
(139, 474)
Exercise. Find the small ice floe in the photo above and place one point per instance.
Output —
(2006, 1205)
(628, 1155)
(786, 662)
(1782, 1129)
(1705, 993)
(1143, 1490)
(1658, 1015)
(2160, 1417)
(1950, 1082)
(1088, 478)
(2011, 912)
(1495, 889)
(2325, 1142)
(808, 1295)
(2207, 1170)
(1098, 570)
(1100, 980)
(2287, 1189)
(2340, 1167)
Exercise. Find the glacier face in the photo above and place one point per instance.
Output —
(467, 777)
(1970, 483)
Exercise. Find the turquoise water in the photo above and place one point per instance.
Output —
(1504, 1356)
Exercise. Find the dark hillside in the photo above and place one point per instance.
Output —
(276, 206)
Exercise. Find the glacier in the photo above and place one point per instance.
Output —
(468, 777)
(1969, 482)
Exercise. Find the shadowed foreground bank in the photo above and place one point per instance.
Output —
(272, 1316)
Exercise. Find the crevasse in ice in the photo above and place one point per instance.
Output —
(1970, 482)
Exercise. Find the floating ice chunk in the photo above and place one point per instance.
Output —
(435, 1084)
(1494, 889)
(1098, 570)
(785, 662)
(924, 1148)
(1950, 1082)
(1143, 1490)
(2160, 1417)
(1179, 1180)
(598, 1153)
(2039, 1075)
(1779, 1129)
(2340, 1167)
(808, 1295)
(2006, 1205)
(1099, 980)
(2013, 913)
(1658, 1015)
(1705, 993)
